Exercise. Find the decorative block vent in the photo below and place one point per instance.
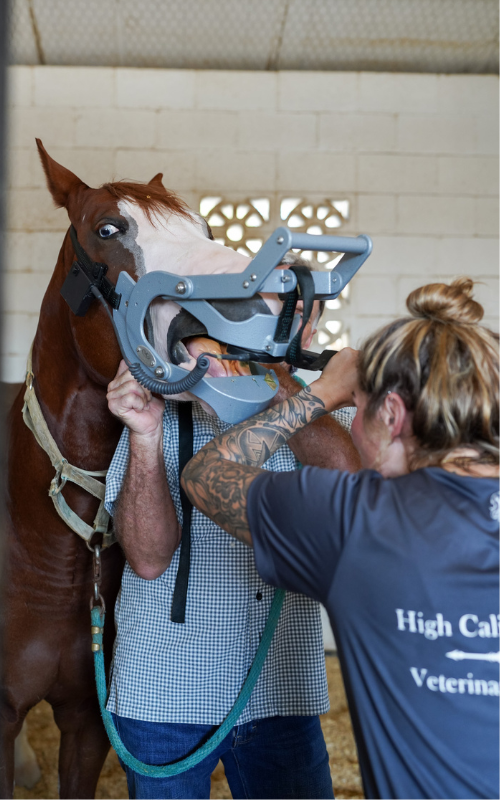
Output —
(245, 224)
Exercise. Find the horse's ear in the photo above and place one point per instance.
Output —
(156, 181)
(61, 181)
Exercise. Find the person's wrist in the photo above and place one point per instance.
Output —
(148, 440)
(331, 398)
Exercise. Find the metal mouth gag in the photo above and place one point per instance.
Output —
(262, 337)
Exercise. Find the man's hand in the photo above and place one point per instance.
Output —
(134, 405)
(145, 520)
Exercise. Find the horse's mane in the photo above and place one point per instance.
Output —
(152, 198)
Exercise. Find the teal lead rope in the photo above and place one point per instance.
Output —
(176, 768)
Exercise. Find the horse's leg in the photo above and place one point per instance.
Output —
(27, 772)
(29, 666)
(15, 749)
(83, 750)
(9, 733)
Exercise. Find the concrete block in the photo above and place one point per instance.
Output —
(73, 87)
(429, 215)
(468, 94)
(182, 130)
(486, 292)
(397, 255)
(155, 88)
(420, 134)
(265, 131)
(52, 126)
(178, 168)
(405, 285)
(487, 135)
(376, 213)
(191, 199)
(373, 295)
(396, 93)
(20, 86)
(235, 171)
(363, 327)
(366, 133)
(20, 168)
(473, 175)
(13, 368)
(396, 173)
(493, 323)
(115, 128)
(467, 256)
(33, 252)
(24, 291)
(18, 332)
(33, 210)
(235, 91)
(317, 91)
(314, 172)
(486, 216)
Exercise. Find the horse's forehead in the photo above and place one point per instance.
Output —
(96, 203)
(162, 225)
(179, 241)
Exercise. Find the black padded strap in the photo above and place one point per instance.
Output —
(285, 319)
(305, 281)
(316, 361)
(95, 271)
(178, 610)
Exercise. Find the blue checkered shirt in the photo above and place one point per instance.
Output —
(192, 673)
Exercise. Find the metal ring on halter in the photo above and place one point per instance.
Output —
(99, 602)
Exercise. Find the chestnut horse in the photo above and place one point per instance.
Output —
(47, 639)
(128, 226)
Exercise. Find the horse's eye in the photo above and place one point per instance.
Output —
(105, 231)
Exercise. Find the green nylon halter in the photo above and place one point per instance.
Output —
(98, 618)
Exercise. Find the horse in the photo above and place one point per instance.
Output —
(128, 226)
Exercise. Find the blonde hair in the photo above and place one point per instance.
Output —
(444, 365)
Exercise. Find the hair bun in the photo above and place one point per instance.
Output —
(446, 303)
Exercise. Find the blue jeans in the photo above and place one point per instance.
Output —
(276, 757)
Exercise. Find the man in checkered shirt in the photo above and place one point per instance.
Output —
(172, 684)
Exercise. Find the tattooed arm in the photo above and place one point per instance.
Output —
(218, 477)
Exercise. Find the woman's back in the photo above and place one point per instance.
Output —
(418, 616)
(412, 592)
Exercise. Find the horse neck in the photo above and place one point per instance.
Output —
(73, 405)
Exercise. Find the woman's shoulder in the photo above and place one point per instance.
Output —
(449, 493)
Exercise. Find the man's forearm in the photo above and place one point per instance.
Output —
(145, 520)
(218, 477)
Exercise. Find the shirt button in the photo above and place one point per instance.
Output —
(259, 595)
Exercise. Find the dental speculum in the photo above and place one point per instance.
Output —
(233, 398)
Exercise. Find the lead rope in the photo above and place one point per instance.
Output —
(97, 610)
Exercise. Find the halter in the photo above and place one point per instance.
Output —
(260, 339)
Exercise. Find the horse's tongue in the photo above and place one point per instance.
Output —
(198, 345)
(218, 369)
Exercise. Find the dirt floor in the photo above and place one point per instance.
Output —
(44, 738)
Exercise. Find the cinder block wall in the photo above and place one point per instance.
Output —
(416, 156)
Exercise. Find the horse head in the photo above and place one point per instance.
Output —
(139, 228)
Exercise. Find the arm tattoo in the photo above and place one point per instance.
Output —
(218, 477)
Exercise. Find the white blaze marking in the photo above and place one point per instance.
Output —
(178, 244)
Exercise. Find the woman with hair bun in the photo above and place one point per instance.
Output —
(404, 553)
